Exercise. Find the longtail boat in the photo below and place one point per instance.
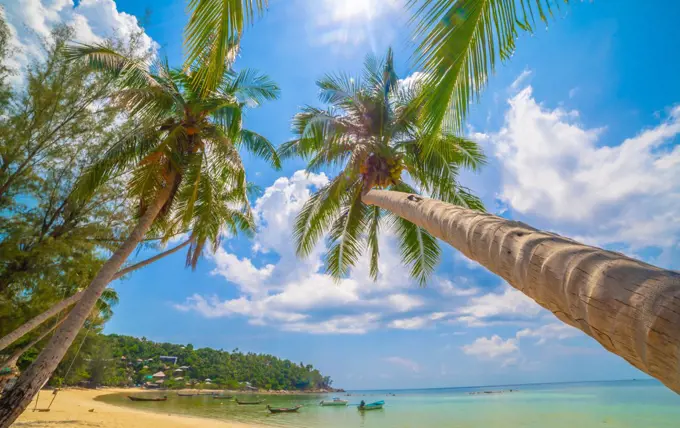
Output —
(334, 402)
(189, 394)
(284, 409)
(223, 397)
(249, 402)
(133, 398)
(372, 406)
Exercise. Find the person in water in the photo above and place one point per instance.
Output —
(362, 404)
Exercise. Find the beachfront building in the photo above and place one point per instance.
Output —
(168, 359)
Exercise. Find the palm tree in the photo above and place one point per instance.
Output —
(184, 170)
(371, 132)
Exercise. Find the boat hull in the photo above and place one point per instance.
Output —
(366, 408)
(146, 399)
(249, 403)
(284, 410)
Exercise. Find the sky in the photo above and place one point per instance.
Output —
(581, 130)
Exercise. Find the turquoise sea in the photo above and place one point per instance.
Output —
(629, 404)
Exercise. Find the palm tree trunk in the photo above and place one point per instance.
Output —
(29, 383)
(630, 307)
(54, 310)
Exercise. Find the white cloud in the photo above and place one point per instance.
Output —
(213, 307)
(241, 271)
(342, 25)
(556, 169)
(412, 79)
(413, 323)
(349, 324)
(418, 322)
(521, 79)
(404, 302)
(405, 363)
(547, 332)
(93, 20)
(448, 288)
(509, 303)
(492, 347)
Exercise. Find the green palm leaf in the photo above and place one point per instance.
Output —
(317, 216)
(210, 33)
(462, 41)
(346, 234)
(120, 157)
(251, 87)
(132, 73)
(375, 216)
(260, 146)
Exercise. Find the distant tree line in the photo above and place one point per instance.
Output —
(114, 360)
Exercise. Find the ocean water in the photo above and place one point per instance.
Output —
(629, 404)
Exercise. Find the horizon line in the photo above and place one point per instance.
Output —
(503, 385)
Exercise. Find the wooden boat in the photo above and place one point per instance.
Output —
(284, 409)
(133, 398)
(372, 406)
(189, 394)
(223, 397)
(243, 403)
(334, 402)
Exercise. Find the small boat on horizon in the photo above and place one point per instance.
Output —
(334, 402)
(189, 394)
(133, 398)
(284, 409)
(249, 402)
(377, 405)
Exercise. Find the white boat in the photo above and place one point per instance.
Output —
(334, 402)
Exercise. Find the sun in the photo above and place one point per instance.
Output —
(348, 11)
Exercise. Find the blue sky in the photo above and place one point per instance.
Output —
(580, 128)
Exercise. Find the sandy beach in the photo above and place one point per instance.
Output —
(77, 408)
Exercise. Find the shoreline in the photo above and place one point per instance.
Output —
(78, 408)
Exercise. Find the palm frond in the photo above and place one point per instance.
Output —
(375, 215)
(121, 156)
(131, 73)
(260, 147)
(211, 31)
(150, 103)
(251, 87)
(461, 43)
(346, 243)
(316, 129)
(418, 248)
(340, 89)
(317, 216)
